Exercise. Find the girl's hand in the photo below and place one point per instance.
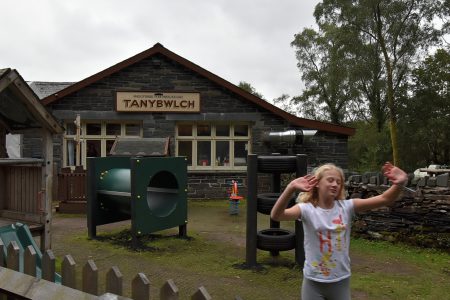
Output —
(305, 183)
(394, 174)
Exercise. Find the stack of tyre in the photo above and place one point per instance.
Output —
(275, 239)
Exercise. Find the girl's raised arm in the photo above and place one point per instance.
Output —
(398, 178)
(280, 212)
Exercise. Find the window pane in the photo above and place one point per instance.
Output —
(93, 148)
(112, 129)
(204, 153)
(71, 129)
(222, 130)
(70, 155)
(132, 129)
(185, 129)
(240, 130)
(185, 149)
(93, 129)
(240, 153)
(203, 130)
(109, 144)
(222, 153)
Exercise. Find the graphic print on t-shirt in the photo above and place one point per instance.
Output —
(326, 239)
(326, 264)
(340, 227)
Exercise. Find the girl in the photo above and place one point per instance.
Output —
(326, 219)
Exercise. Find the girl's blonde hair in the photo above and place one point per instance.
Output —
(313, 195)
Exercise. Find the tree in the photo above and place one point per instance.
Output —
(368, 75)
(324, 65)
(285, 103)
(426, 116)
(401, 28)
(249, 88)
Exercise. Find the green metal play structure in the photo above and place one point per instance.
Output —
(20, 233)
(151, 191)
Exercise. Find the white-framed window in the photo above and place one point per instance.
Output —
(213, 146)
(94, 138)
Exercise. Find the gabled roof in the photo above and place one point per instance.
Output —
(20, 107)
(159, 49)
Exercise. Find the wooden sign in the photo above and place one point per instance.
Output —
(157, 102)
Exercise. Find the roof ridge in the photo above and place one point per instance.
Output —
(160, 49)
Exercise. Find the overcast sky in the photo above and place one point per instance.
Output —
(238, 40)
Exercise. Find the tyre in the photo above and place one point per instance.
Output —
(266, 201)
(277, 164)
(275, 239)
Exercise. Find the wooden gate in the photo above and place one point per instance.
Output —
(72, 190)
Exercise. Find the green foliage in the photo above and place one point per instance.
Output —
(425, 117)
(324, 65)
(249, 88)
(368, 148)
(285, 103)
(374, 44)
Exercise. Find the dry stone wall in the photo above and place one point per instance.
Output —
(421, 216)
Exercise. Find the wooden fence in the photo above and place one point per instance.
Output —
(17, 285)
(72, 190)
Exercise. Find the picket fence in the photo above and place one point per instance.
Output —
(17, 285)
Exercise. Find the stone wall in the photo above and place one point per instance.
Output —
(218, 185)
(421, 217)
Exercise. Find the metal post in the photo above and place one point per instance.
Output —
(299, 250)
(302, 165)
(276, 188)
(252, 183)
(302, 169)
(134, 196)
(91, 189)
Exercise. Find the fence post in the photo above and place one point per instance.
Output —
(48, 266)
(90, 278)
(114, 281)
(12, 261)
(68, 274)
(140, 287)
(29, 261)
(169, 291)
(201, 294)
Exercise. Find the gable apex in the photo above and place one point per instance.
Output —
(160, 49)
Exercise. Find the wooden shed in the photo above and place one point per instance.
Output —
(26, 183)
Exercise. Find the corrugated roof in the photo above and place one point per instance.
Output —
(160, 49)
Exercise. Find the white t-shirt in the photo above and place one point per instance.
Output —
(327, 241)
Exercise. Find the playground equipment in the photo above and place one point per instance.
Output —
(151, 191)
(234, 198)
(273, 239)
(21, 235)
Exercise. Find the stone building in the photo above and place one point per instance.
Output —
(159, 94)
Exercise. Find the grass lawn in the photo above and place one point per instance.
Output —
(213, 254)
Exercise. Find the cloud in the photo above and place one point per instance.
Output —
(238, 40)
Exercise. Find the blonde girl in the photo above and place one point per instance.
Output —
(326, 219)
